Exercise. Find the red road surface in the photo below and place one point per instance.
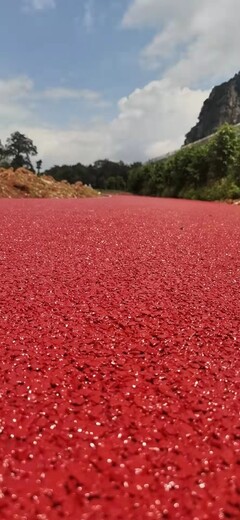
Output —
(120, 363)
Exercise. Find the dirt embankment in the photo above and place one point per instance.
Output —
(22, 183)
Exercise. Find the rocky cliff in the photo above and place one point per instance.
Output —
(222, 106)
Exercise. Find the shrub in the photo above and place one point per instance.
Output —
(209, 171)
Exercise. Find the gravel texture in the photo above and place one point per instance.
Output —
(120, 362)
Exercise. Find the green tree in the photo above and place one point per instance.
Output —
(20, 149)
(222, 152)
(96, 174)
(39, 166)
(104, 169)
(236, 165)
(136, 180)
(4, 162)
(115, 183)
(2, 152)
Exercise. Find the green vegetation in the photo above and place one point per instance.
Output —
(209, 171)
(102, 175)
(39, 166)
(17, 152)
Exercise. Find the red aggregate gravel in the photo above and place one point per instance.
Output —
(120, 363)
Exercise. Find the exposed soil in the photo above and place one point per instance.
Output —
(22, 183)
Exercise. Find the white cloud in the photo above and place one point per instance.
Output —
(200, 39)
(194, 43)
(68, 146)
(15, 87)
(89, 15)
(150, 13)
(62, 93)
(18, 112)
(39, 5)
(23, 87)
(151, 121)
(154, 120)
(13, 93)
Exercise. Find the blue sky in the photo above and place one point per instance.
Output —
(111, 78)
(78, 44)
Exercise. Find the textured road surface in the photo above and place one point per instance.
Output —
(120, 361)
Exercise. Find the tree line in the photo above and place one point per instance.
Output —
(102, 174)
(209, 171)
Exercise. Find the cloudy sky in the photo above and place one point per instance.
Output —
(117, 79)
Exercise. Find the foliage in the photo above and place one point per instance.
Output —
(115, 183)
(222, 152)
(4, 162)
(39, 166)
(208, 171)
(103, 174)
(20, 148)
(1, 150)
(236, 166)
(222, 189)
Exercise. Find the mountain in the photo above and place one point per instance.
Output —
(222, 106)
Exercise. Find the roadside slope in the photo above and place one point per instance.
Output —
(22, 183)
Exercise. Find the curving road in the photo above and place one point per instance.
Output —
(120, 360)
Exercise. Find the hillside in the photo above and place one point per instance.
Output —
(222, 106)
(24, 184)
